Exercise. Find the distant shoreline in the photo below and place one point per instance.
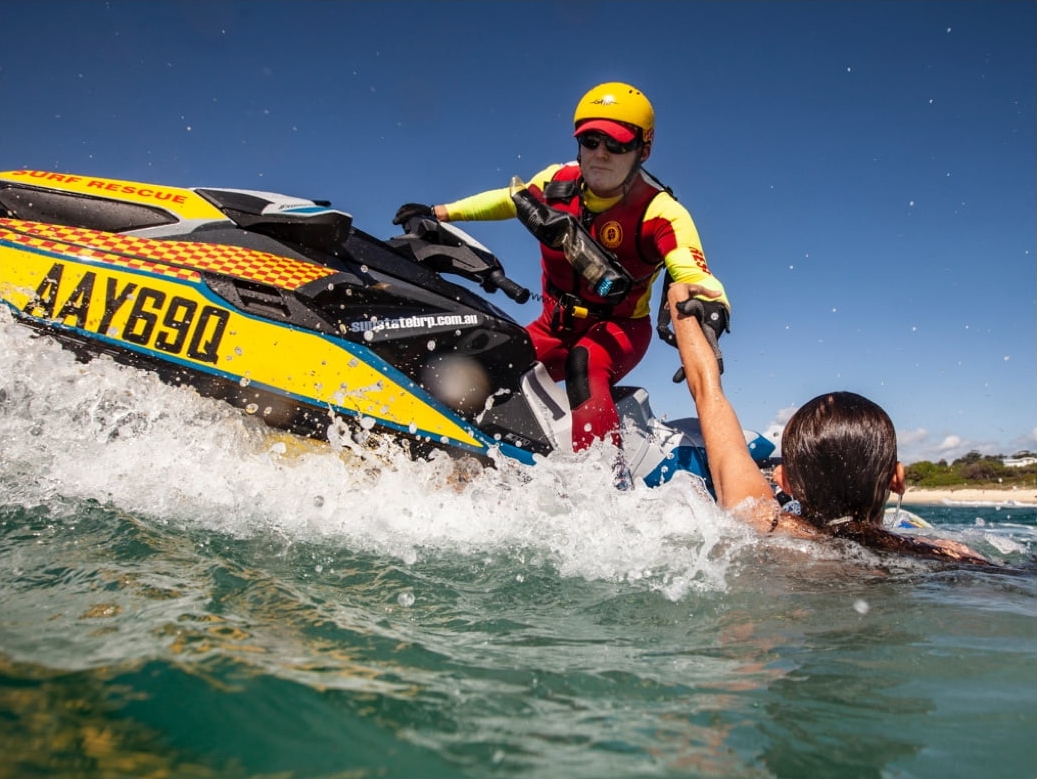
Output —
(951, 495)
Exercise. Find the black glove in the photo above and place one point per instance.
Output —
(713, 318)
(410, 210)
(710, 314)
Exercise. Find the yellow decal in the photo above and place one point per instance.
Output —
(182, 202)
(611, 235)
(154, 310)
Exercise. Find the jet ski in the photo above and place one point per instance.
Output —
(282, 307)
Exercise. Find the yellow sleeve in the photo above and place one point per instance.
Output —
(485, 206)
(681, 247)
(493, 204)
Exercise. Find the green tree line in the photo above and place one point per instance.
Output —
(973, 470)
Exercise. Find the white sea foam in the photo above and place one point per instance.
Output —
(101, 431)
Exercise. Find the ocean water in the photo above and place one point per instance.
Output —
(185, 593)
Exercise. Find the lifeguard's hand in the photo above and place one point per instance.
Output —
(711, 315)
(411, 210)
(687, 299)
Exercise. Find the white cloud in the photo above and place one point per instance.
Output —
(916, 445)
(774, 430)
(911, 437)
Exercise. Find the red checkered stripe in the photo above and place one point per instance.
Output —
(167, 258)
(35, 241)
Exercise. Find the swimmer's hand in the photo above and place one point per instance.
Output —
(954, 551)
(958, 551)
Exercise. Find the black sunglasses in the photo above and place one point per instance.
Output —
(593, 141)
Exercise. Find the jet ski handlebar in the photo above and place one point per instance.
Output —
(445, 248)
(512, 289)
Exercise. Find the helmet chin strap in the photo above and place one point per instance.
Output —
(634, 170)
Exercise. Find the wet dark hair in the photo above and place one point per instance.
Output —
(839, 451)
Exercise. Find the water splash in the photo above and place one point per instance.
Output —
(104, 432)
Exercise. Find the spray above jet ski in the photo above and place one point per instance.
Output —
(282, 307)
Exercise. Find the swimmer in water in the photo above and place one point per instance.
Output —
(839, 459)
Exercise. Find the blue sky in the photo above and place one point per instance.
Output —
(862, 174)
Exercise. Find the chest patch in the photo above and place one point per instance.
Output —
(611, 235)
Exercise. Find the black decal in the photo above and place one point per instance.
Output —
(113, 301)
(78, 303)
(47, 293)
(208, 351)
(178, 319)
(147, 319)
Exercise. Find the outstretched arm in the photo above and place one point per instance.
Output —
(736, 478)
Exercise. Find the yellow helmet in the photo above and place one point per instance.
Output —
(618, 110)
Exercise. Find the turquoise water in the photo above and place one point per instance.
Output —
(184, 594)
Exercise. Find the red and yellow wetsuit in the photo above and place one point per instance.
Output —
(647, 230)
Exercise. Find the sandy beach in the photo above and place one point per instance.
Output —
(1017, 495)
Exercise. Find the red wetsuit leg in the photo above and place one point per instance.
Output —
(551, 347)
(613, 348)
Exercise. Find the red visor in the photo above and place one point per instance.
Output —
(620, 132)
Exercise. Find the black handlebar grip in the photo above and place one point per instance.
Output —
(516, 292)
